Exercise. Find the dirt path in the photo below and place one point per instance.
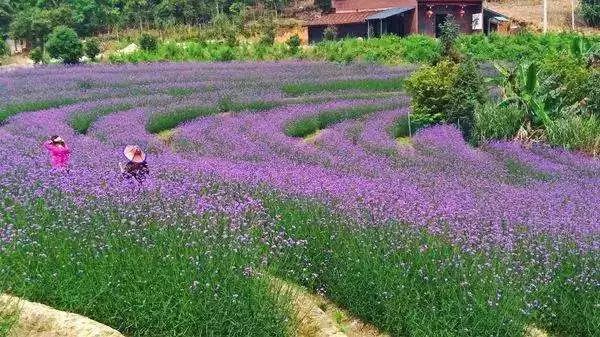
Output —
(319, 317)
(38, 320)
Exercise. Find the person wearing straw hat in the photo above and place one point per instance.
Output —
(136, 166)
(59, 153)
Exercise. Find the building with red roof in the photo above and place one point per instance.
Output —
(372, 18)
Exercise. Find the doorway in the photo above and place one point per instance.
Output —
(440, 19)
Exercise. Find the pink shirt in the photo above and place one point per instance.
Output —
(59, 155)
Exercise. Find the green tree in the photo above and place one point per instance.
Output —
(590, 10)
(92, 48)
(37, 55)
(6, 14)
(64, 44)
(31, 26)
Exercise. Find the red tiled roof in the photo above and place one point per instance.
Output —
(361, 5)
(341, 18)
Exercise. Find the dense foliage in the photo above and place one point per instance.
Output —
(33, 20)
(390, 50)
(91, 48)
(446, 93)
(148, 42)
(590, 10)
(64, 44)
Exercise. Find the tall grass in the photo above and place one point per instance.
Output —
(15, 108)
(576, 133)
(143, 281)
(81, 121)
(168, 120)
(497, 122)
(308, 125)
(411, 284)
(383, 84)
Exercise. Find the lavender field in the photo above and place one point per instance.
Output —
(288, 170)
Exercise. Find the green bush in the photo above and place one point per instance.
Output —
(447, 92)
(564, 78)
(3, 48)
(63, 43)
(430, 89)
(468, 91)
(37, 55)
(590, 11)
(497, 122)
(592, 103)
(330, 33)
(450, 31)
(148, 42)
(268, 31)
(92, 48)
(294, 44)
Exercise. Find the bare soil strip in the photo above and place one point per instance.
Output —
(319, 317)
(38, 320)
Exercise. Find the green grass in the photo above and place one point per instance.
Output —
(13, 109)
(8, 318)
(379, 85)
(169, 120)
(309, 125)
(149, 281)
(81, 121)
(180, 92)
(409, 283)
(388, 50)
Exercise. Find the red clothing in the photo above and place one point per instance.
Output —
(59, 155)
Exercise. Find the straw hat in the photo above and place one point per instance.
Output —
(57, 139)
(134, 153)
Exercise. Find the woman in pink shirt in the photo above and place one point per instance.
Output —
(59, 153)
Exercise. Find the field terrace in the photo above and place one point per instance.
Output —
(422, 236)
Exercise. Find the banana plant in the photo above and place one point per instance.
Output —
(521, 87)
(582, 48)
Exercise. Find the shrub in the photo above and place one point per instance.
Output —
(590, 11)
(497, 122)
(467, 92)
(37, 55)
(430, 89)
(450, 32)
(294, 43)
(63, 43)
(447, 92)
(3, 48)
(92, 48)
(564, 78)
(592, 103)
(330, 33)
(268, 31)
(148, 42)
